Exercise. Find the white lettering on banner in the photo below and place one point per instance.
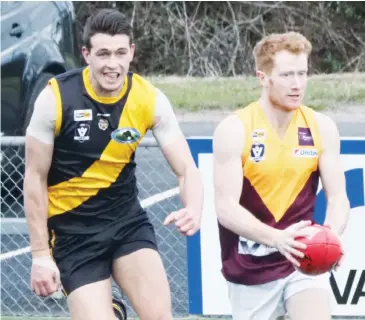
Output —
(348, 298)
(253, 248)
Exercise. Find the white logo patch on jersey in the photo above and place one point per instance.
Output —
(257, 152)
(82, 132)
(83, 115)
(252, 248)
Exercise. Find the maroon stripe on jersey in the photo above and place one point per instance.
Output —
(252, 270)
(251, 200)
(303, 206)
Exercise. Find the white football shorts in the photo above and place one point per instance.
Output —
(267, 301)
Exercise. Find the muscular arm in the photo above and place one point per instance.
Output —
(176, 151)
(332, 176)
(228, 178)
(38, 156)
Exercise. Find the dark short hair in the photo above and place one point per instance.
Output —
(108, 21)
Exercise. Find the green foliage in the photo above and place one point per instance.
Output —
(197, 38)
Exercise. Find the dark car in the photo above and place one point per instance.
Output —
(38, 41)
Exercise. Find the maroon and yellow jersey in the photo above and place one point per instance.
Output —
(279, 187)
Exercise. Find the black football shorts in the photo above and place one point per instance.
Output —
(84, 259)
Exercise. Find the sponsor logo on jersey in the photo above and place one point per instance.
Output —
(305, 153)
(126, 135)
(83, 115)
(258, 134)
(305, 137)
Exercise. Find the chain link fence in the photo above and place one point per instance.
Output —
(158, 194)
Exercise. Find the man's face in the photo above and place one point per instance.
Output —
(109, 59)
(287, 82)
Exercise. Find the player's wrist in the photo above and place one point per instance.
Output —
(45, 261)
(39, 253)
(273, 237)
(333, 228)
(194, 210)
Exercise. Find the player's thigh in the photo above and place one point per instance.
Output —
(303, 291)
(92, 301)
(258, 302)
(81, 260)
(317, 299)
(142, 277)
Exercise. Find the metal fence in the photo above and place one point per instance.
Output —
(158, 193)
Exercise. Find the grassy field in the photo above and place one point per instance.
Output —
(197, 94)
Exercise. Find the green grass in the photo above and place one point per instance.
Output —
(198, 94)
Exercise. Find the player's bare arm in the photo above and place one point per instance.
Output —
(177, 153)
(38, 157)
(228, 143)
(332, 176)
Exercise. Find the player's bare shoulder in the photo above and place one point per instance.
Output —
(43, 120)
(228, 136)
(327, 127)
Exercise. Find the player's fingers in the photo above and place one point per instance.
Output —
(52, 284)
(183, 221)
(301, 224)
(292, 259)
(57, 279)
(44, 289)
(180, 214)
(295, 252)
(306, 232)
(170, 218)
(37, 290)
(339, 263)
(187, 226)
(298, 245)
(174, 216)
(191, 232)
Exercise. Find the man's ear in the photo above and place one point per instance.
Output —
(133, 49)
(263, 78)
(86, 54)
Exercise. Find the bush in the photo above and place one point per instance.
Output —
(217, 38)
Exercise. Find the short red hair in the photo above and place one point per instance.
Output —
(265, 50)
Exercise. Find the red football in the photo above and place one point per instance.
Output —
(322, 253)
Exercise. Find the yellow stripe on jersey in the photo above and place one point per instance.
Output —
(90, 90)
(56, 90)
(278, 169)
(138, 114)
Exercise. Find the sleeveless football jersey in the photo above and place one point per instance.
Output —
(279, 187)
(91, 182)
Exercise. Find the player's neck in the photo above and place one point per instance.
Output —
(104, 93)
(278, 117)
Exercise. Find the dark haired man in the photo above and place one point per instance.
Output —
(80, 185)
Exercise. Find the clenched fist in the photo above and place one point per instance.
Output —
(45, 276)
